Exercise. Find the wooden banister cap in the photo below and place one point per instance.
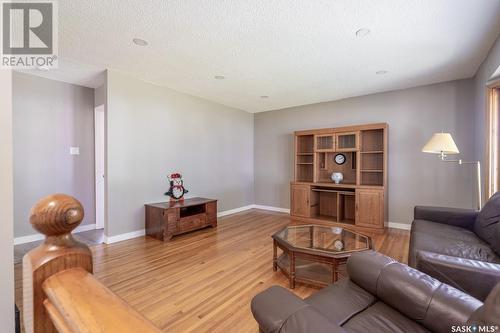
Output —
(56, 214)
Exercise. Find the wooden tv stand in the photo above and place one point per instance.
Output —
(359, 201)
(167, 219)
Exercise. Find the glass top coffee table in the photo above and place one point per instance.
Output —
(313, 254)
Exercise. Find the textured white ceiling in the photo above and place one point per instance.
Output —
(295, 51)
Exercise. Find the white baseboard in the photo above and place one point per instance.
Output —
(271, 208)
(234, 211)
(122, 237)
(253, 206)
(28, 239)
(37, 237)
(86, 227)
(396, 225)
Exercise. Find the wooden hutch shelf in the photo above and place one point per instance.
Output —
(359, 200)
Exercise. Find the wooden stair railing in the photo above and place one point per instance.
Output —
(60, 294)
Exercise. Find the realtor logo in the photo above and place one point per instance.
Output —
(29, 34)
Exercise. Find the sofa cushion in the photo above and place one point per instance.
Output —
(382, 318)
(444, 230)
(475, 250)
(487, 225)
(340, 301)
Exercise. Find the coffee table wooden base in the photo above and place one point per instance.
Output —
(312, 269)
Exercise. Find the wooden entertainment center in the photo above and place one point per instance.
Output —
(358, 201)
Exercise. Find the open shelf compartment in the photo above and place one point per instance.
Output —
(326, 165)
(191, 210)
(372, 140)
(304, 160)
(372, 178)
(304, 172)
(305, 144)
(335, 205)
(347, 207)
(372, 159)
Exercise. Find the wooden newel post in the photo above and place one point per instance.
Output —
(55, 216)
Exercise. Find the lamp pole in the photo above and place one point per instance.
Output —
(478, 173)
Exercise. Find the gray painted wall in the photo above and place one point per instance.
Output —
(413, 116)
(100, 95)
(153, 131)
(483, 75)
(6, 204)
(49, 117)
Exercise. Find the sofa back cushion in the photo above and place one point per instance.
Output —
(487, 225)
(397, 285)
(418, 296)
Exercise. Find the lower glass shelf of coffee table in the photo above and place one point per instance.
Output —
(310, 272)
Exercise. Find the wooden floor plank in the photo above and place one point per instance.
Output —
(204, 281)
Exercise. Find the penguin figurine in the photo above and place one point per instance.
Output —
(176, 191)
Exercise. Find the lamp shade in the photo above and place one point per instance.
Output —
(441, 143)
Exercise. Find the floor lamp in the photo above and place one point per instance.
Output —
(443, 144)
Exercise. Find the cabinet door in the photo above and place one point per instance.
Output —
(171, 221)
(370, 208)
(300, 198)
(324, 142)
(346, 141)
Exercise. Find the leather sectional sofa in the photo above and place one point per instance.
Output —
(380, 295)
(459, 247)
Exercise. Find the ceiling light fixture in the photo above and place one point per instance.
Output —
(219, 77)
(381, 72)
(362, 32)
(264, 96)
(140, 42)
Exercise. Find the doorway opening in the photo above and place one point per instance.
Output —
(99, 132)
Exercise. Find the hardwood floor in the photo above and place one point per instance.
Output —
(204, 281)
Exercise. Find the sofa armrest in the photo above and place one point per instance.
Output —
(453, 216)
(476, 278)
(277, 310)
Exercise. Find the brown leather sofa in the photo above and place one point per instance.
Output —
(459, 247)
(380, 295)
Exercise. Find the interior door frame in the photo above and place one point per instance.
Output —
(492, 157)
(100, 165)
